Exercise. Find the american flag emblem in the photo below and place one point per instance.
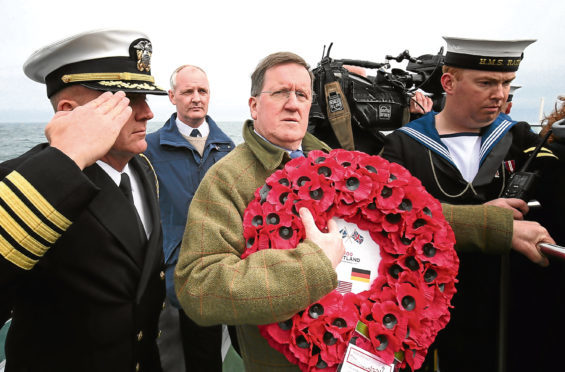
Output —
(357, 238)
(344, 287)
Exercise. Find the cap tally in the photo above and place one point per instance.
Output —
(490, 55)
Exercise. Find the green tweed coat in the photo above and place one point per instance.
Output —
(215, 286)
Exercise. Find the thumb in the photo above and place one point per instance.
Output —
(308, 221)
(332, 226)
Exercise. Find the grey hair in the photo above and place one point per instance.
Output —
(173, 79)
(272, 60)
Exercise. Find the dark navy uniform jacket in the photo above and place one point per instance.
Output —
(85, 290)
(470, 340)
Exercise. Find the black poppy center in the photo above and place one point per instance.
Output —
(352, 184)
(301, 342)
(250, 242)
(429, 250)
(319, 160)
(339, 323)
(302, 181)
(315, 311)
(285, 232)
(419, 223)
(409, 303)
(284, 182)
(321, 364)
(395, 270)
(273, 219)
(329, 339)
(383, 342)
(257, 221)
(405, 205)
(389, 321)
(386, 192)
(283, 198)
(316, 194)
(393, 217)
(371, 169)
(430, 275)
(325, 171)
(412, 263)
(427, 211)
(286, 325)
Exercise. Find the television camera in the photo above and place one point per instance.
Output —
(351, 111)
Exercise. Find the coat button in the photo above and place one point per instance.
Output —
(140, 336)
(162, 275)
(137, 366)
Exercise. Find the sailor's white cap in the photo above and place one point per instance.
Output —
(107, 60)
(479, 54)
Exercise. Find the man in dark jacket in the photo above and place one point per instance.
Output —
(182, 151)
(81, 261)
(465, 155)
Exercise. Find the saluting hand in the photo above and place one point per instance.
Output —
(87, 133)
(330, 242)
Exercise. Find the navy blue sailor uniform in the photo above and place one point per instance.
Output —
(504, 147)
(85, 289)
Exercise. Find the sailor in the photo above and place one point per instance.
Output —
(465, 155)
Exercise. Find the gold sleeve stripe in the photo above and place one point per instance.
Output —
(530, 149)
(544, 154)
(27, 216)
(39, 201)
(14, 256)
(20, 235)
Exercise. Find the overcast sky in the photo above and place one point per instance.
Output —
(227, 39)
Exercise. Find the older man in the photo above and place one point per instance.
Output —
(82, 250)
(214, 285)
(182, 151)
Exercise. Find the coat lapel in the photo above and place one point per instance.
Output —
(493, 161)
(154, 250)
(112, 210)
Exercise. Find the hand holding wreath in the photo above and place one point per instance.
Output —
(330, 242)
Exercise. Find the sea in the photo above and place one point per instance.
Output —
(17, 138)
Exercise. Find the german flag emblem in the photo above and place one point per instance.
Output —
(360, 275)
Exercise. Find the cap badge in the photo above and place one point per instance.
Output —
(144, 51)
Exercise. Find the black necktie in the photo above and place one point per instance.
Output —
(195, 133)
(125, 186)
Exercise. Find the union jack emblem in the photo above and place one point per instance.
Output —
(357, 238)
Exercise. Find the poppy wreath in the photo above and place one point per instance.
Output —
(408, 302)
